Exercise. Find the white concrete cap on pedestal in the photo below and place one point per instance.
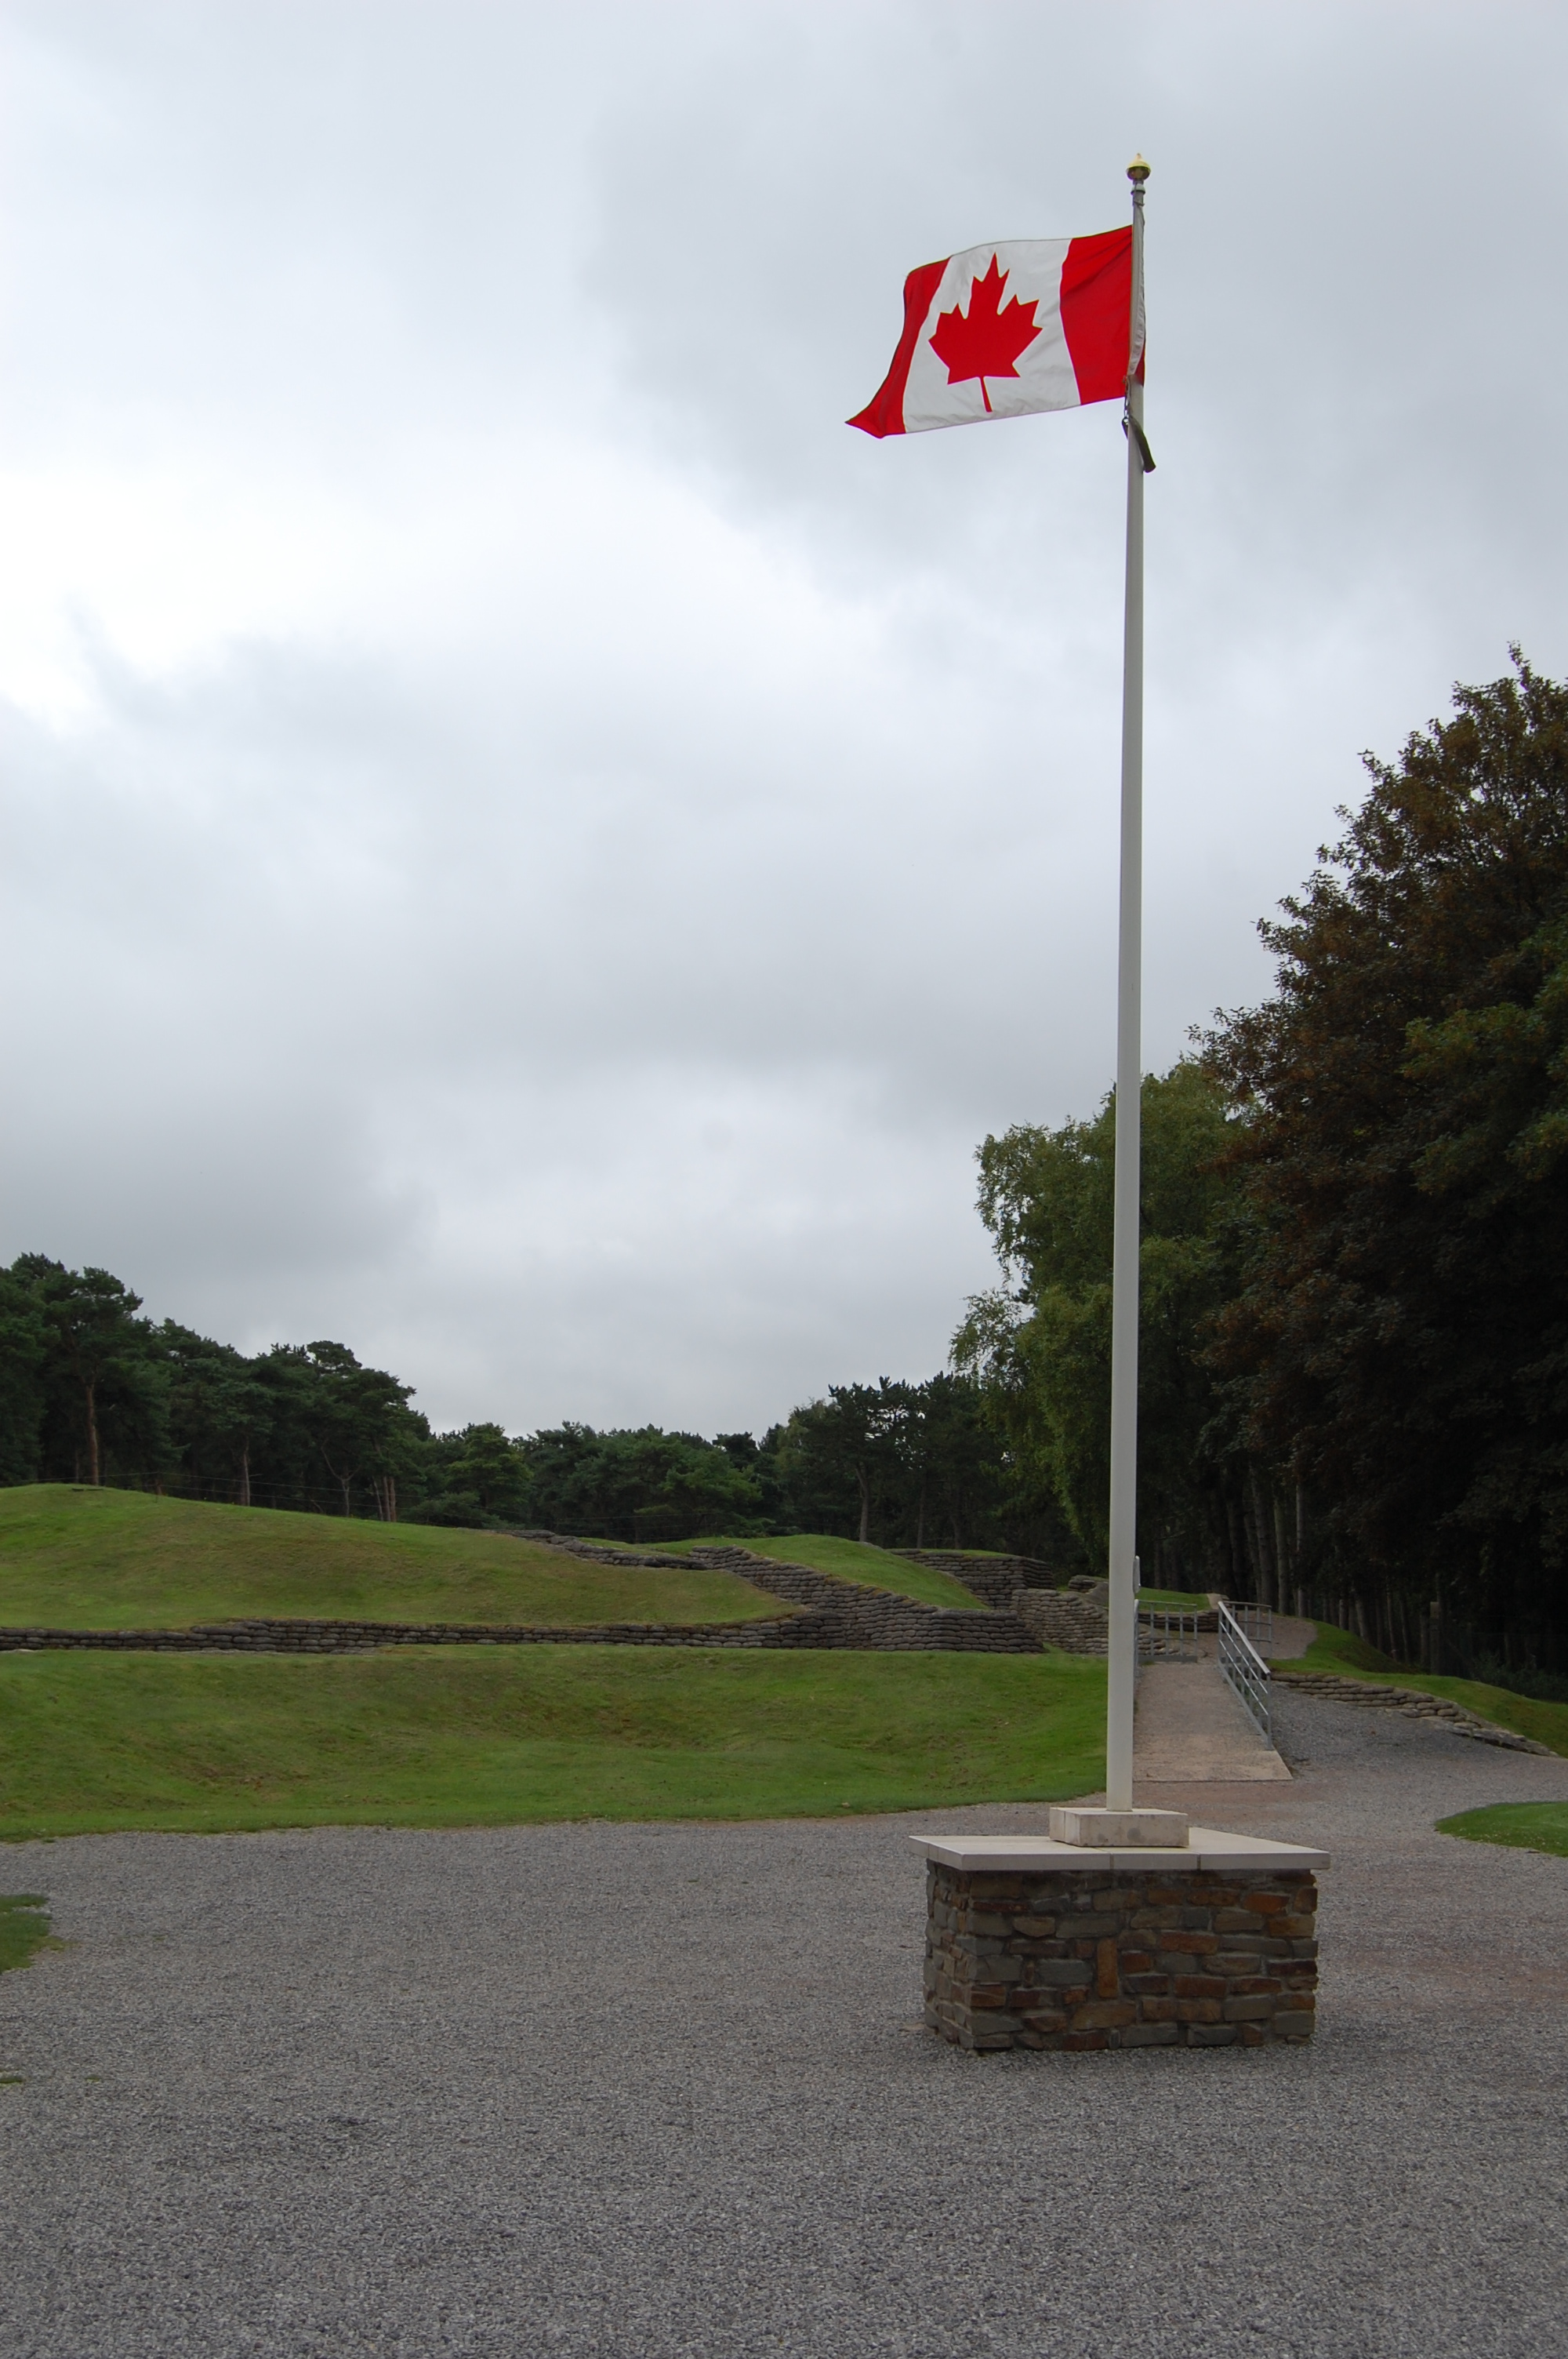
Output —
(1208, 1848)
(1101, 1829)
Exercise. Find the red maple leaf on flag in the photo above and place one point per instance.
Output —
(989, 342)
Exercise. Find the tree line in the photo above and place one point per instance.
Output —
(1354, 1333)
(94, 1392)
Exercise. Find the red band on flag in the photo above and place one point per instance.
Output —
(883, 414)
(1097, 302)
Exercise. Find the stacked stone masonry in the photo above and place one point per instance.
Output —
(1073, 1620)
(852, 1614)
(1141, 1958)
(996, 1579)
(848, 1613)
(307, 1638)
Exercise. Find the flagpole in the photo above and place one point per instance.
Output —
(1122, 1657)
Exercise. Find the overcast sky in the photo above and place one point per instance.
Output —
(531, 849)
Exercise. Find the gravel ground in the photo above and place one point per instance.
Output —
(653, 2090)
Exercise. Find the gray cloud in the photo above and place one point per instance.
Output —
(531, 848)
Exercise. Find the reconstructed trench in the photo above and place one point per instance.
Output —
(1019, 1618)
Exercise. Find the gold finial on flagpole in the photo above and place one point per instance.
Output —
(1139, 170)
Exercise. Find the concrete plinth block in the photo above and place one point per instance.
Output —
(1102, 1829)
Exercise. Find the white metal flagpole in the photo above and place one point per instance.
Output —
(1122, 1661)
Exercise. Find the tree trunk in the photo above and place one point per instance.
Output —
(1233, 1544)
(244, 1474)
(920, 1516)
(864, 1481)
(92, 1466)
(344, 1485)
(1282, 1549)
(1260, 1536)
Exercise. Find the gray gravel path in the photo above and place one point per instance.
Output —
(649, 2091)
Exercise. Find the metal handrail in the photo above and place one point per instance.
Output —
(1257, 1623)
(1244, 1667)
(1166, 1621)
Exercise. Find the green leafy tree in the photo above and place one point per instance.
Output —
(896, 1462)
(701, 1490)
(642, 1484)
(1399, 1339)
(841, 1453)
(24, 1353)
(361, 1424)
(219, 1411)
(1040, 1344)
(486, 1480)
(952, 1460)
(102, 1381)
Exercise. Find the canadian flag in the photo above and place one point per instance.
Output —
(1036, 323)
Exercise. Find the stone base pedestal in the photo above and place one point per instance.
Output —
(1033, 1944)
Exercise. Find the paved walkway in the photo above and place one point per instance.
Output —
(1190, 1729)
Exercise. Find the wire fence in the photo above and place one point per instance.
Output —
(215, 1491)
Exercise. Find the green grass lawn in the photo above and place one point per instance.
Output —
(430, 1736)
(878, 1568)
(78, 1559)
(1524, 1826)
(1190, 1600)
(1353, 1658)
(24, 1928)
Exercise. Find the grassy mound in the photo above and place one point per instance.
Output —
(1526, 1826)
(430, 1736)
(1342, 1651)
(1352, 1657)
(878, 1568)
(84, 1560)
